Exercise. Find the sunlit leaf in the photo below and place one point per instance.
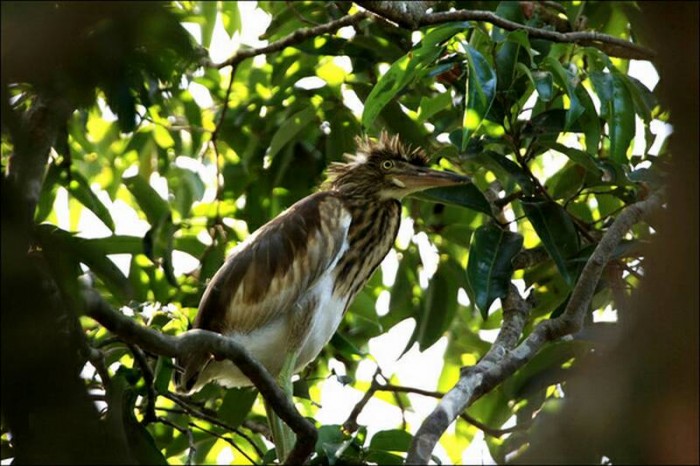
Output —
(481, 91)
(406, 69)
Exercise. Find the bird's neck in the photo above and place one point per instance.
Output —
(371, 235)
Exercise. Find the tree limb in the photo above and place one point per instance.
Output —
(210, 343)
(504, 358)
(613, 46)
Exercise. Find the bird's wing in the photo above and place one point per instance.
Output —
(268, 273)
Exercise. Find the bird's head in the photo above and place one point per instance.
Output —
(386, 169)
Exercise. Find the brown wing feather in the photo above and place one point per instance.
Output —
(268, 273)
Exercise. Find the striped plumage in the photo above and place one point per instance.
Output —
(286, 288)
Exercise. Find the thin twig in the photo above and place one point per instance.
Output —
(148, 378)
(211, 418)
(298, 36)
(224, 438)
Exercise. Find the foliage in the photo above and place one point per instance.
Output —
(167, 159)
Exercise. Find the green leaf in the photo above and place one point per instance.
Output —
(466, 195)
(236, 405)
(122, 398)
(439, 307)
(481, 92)
(562, 77)
(549, 123)
(290, 129)
(401, 304)
(163, 374)
(509, 58)
(501, 164)
(209, 10)
(49, 189)
(590, 123)
(556, 230)
(566, 182)
(154, 206)
(544, 84)
(391, 440)
(489, 268)
(644, 99)
(582, 158)
(186, 186)
(408, 68)
(90, 254)
(429, 106)
(232, 21)
(382, 457)
(79, 188)
(621, 122)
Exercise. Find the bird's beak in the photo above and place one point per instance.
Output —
(419, 178)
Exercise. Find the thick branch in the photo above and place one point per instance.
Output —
(613, 46)
(32, 142)
(213, 343)
(501, 361)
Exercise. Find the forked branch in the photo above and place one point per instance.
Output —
(215, 344)
(504, 358)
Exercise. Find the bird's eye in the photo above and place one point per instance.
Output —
(387, 165)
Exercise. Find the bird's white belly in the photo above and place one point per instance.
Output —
(270, 344)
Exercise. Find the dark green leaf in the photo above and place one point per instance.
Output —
(549, 123)
(236, 405)
(79, 187)
(566, 182)
(91, 255)
(644, 99)
(589, 121)
(391, 440)
(543, 84)
(556, 230)
(481, 92)
(467, 195)
(291, 129)
(406, 69)
(562, 77)
(582, 158)
(621, 121)
(489, 268)
(496, 161)
(186, 186)
(154, 206)
(439, 307)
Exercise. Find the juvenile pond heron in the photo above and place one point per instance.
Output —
(283, 291)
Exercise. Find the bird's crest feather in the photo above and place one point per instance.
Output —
(385, 147)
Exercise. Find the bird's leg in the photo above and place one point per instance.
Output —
(282, 434)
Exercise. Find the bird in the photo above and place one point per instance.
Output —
(283, 291)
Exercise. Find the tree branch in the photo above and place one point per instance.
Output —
(613, 46)
(296, 37)
(204, 341)
(504, 358)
